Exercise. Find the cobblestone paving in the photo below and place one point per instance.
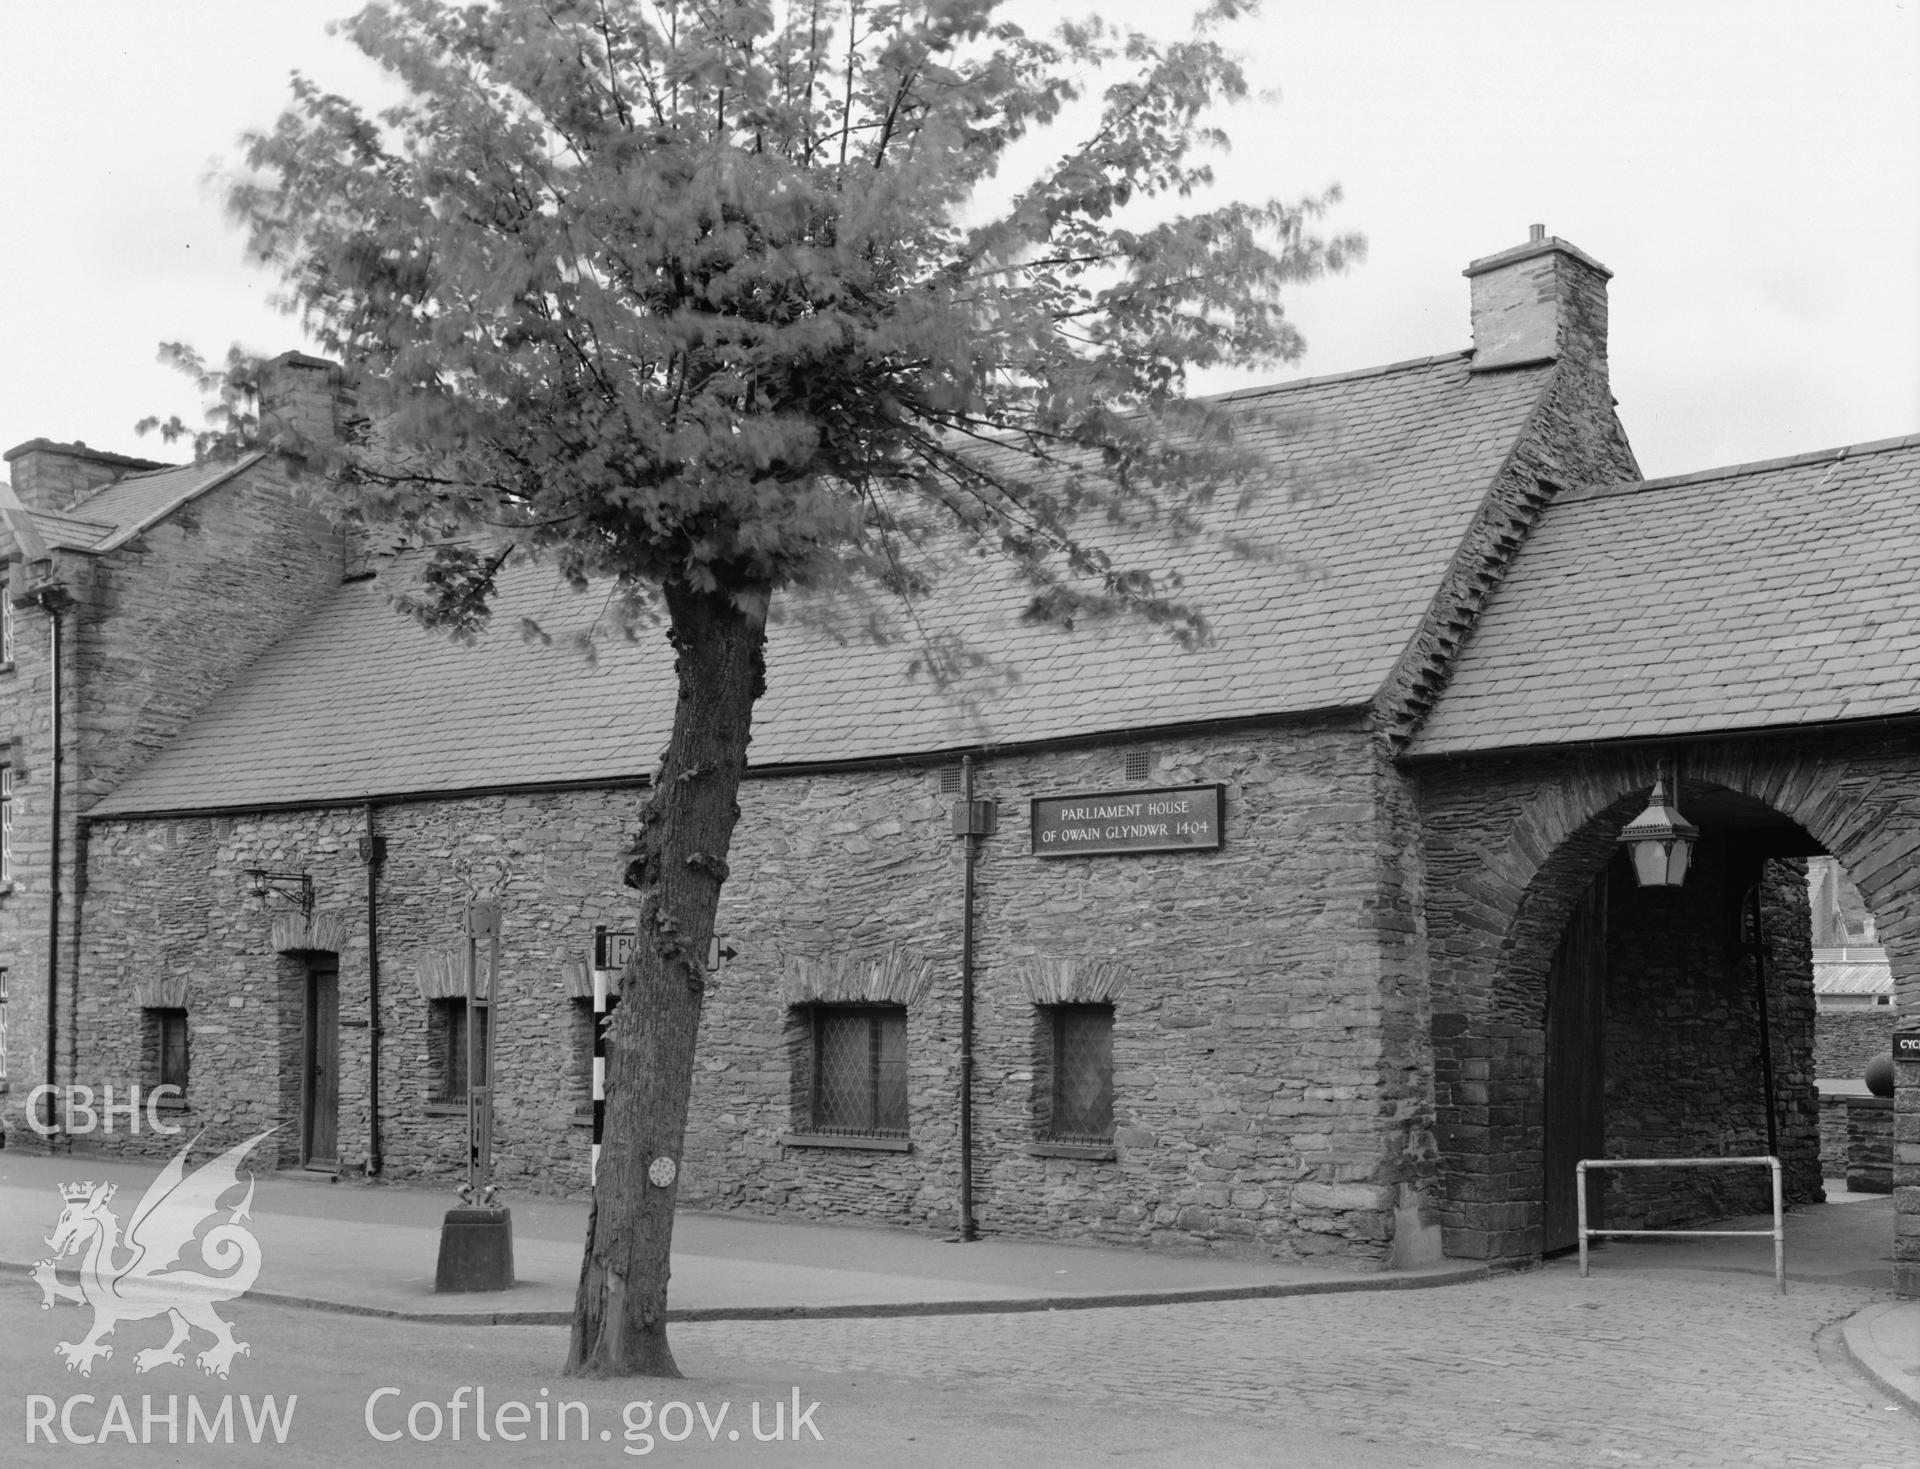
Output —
(1661, 1368)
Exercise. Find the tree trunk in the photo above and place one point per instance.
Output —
(619, 1315)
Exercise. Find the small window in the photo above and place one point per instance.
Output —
(6, 619)
(451, 1032)
(582, 1049)
(1078, 1095)
(6, 823)
(170, 1033)
(3, 1030)
(859, 1071)
(950, 781)
(1139, 764)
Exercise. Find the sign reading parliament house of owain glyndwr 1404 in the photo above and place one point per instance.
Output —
(1183, 819)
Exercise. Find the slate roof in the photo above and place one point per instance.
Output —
(116, 513)
(1862, 971)
(1764, 596)
(1377, 476)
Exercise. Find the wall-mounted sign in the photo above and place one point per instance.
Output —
(1906, 1045)
(1179, 819)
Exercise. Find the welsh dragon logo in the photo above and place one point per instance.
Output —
(140, 1274)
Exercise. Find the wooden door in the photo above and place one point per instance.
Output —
(320, 1142)
(1575, 1069)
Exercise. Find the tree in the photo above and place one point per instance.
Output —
(690, 298)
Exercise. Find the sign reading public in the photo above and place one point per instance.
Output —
(1906, 1045)
(1180, 819)
(611, 950)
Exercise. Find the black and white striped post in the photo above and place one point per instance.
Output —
(610, 954)
(599, 1049)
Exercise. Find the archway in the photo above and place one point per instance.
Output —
(1516, 843)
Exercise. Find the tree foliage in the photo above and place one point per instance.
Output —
(688, 291)
(712, 299)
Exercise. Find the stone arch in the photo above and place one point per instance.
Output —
(1861, 802)
(1513, 841)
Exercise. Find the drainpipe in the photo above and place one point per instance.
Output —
(77, 901)
(372, 849)
(971, 821)
(53, 601)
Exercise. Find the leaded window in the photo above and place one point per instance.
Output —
(452, 1027)
(6, 823)
(1080, 1091)
(584, 1023)
(859, 1070)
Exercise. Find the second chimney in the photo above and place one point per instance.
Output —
(50, 476)
(1544, 301)
(300, 402)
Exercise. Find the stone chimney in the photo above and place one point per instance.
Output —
(303, 403)
(1543, 301)
(50, 476)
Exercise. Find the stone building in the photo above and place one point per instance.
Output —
(133, 593)
(1309, 942)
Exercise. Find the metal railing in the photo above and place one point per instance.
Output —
(1778, 1231)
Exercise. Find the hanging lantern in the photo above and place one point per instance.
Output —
(1660, 841)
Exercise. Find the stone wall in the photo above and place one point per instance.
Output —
(1870, 1145)
(1683, 1069)
(1269, 1053)
(1845, 1040)
(24, 719)
(1833, 1136)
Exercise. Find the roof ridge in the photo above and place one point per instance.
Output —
(126, 532)
(139, 475)
(1496, 533)
(1740, 471)
(1236, 395)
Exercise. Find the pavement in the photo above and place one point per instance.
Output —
(371, 1250)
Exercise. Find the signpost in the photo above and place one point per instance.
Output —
(482, 921)
(611, 950)
(610, 954)
(476, 1241)
(1173, 819)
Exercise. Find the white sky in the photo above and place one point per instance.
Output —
(1749, 169)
